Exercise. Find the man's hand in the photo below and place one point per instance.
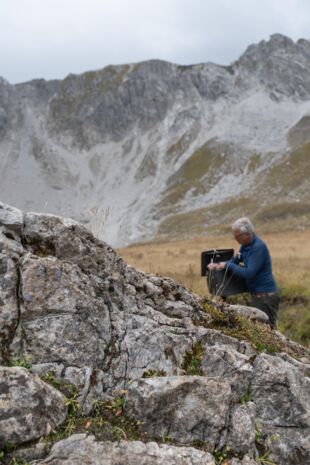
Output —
(216, 266)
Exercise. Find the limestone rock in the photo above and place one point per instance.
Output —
(83, 307)
(9, 305)
(227, 363)
(82, 316)
(184, 408)
(281, 394)
(249, 312)
(241, 429)
(11, 218)
(29, 408)
(81, 449)
(245, 461)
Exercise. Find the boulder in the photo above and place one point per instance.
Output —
(186, 409)
(281, 394)
(252, 313)
(11, 219)
(29, 408)
(80, 449)
(241, 431)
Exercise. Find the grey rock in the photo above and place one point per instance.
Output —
(78, 312)
(241, 429)
(11, 218)
(10, 242)
(28, 453)
(9, 305)
(245, 461)
(249, 312)
(41, 369)
(184, 408)
(81, 449)
(83, 307)
(228, 363)
(281, 394)
(29, 408)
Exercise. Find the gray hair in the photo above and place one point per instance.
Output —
(244, 225)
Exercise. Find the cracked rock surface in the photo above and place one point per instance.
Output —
(77, 313)
(79, 449)
(29, 408)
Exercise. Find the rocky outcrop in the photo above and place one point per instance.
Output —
(184, 408)
(141, 347)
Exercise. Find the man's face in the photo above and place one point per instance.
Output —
(241, 237)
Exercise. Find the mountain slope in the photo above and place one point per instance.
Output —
(127, 148)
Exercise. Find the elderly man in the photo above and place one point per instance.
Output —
(253, 263)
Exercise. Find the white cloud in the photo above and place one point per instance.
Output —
(52, 38)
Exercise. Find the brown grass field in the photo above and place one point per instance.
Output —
(290, 251)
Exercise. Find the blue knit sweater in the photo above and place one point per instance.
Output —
(256, 269)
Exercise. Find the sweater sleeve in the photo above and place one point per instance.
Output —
(235, 259)
(254, 262)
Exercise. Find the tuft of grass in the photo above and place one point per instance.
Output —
(192, 360)
(9, 456)
(70, 391)
(107, 422)
(294, 322)
(247, 396)
(295, 293)
(24, 362)
(258, 334)
(222, 455)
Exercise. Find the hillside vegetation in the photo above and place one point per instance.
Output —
(290, 252)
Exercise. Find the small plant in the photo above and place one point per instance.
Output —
(263, 445)
(198, 444)
(153, 373)
(69, 390)
(258, 334)
(247, 396)
(118, 433)
(118, 403)
(218, 317)
(73, 405)
(192, 360)
(222, 454)
(263, 459)
(24, 362)
(97, 407)
(7, 456)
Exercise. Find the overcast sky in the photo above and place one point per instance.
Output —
(52, 38)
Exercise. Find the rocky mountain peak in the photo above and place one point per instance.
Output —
(279, 64)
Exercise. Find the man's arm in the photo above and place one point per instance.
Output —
(222, 265)
(254, 263)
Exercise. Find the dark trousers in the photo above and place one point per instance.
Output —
(268, 304)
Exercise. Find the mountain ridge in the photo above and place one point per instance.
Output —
(138, 144)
